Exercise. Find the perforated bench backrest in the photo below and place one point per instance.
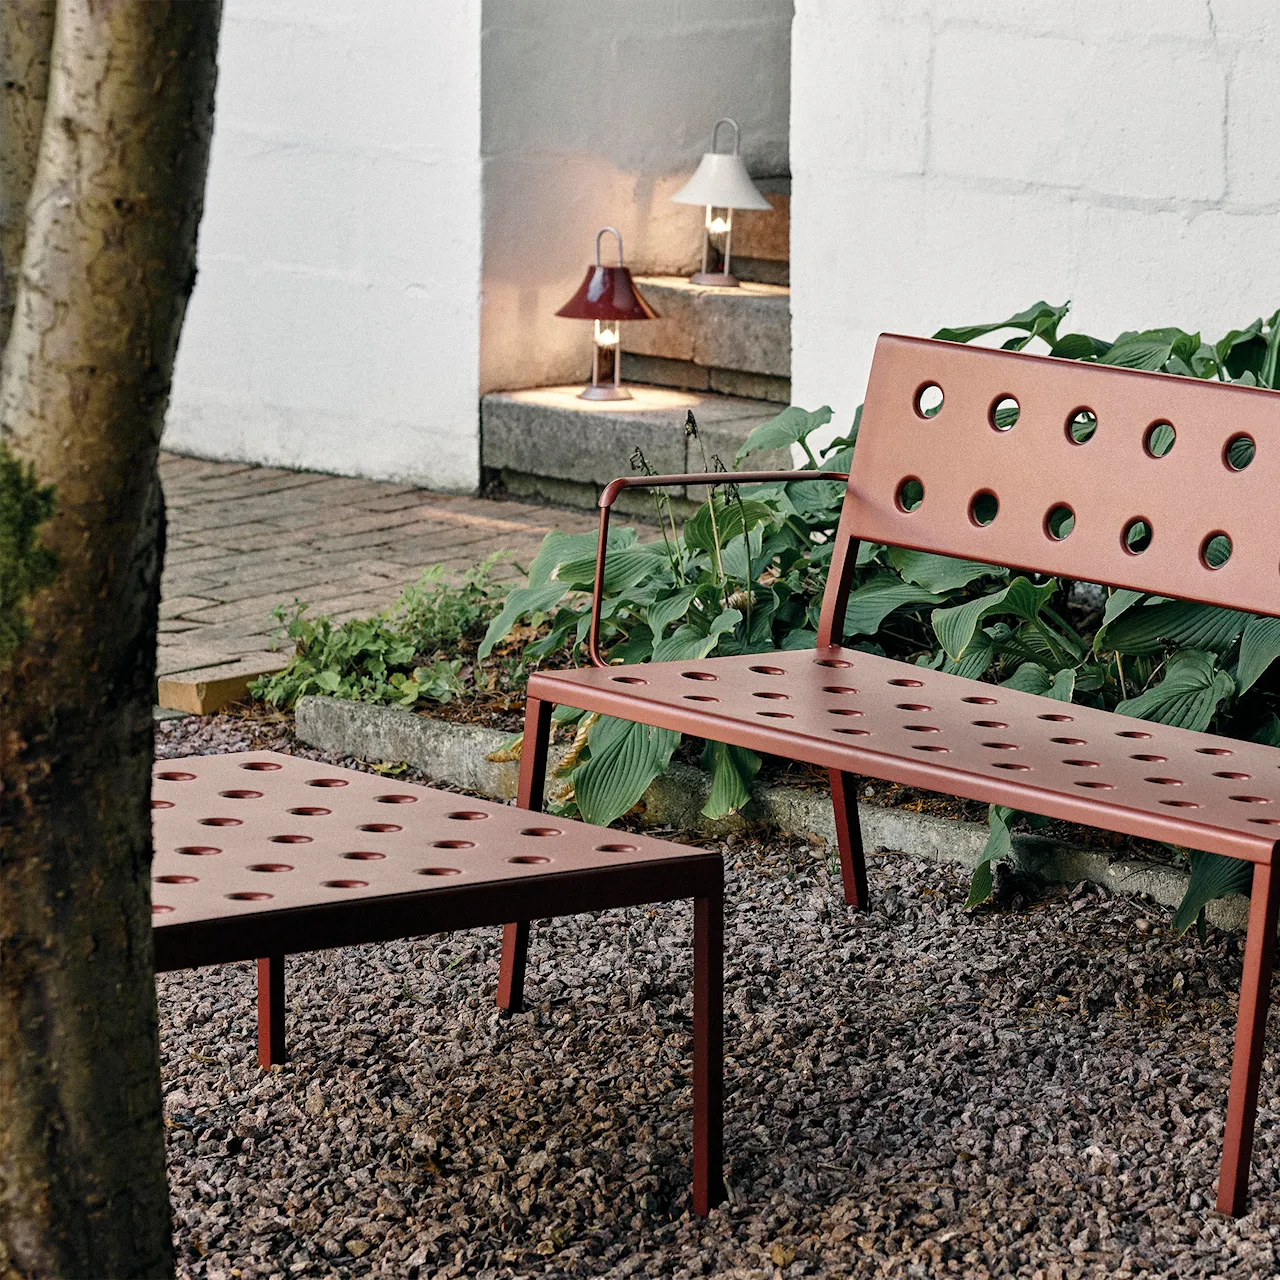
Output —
(1034, 468)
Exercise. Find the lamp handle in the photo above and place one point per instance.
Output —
(617, 235)
(737, 133)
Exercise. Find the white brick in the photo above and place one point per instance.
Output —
(1253, 129)
(1137, 120)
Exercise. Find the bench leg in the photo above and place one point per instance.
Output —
(271, 1048)
(708, 1052)
(1251, 1025)
(533, 781)
(853, 866)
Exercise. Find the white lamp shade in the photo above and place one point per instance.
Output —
(721, 181)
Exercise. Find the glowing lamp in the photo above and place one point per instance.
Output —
(720, 184)
(607, 296)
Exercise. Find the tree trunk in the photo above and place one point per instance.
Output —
(108, 265)
(26, 35)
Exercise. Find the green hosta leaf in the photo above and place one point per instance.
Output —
(732, 771)
(999, 844)
(977, 658)
(625, 757)
(871, 604)
(1031, 677)
(1038, 320)
(519, 604)
(698, 532)
(817, 497)
(1188, 695)
(558, 547)
(790, 427)
(1147, 350)
(687, 643)
(955, 627)
(1120, 601)
(1213, 876)
(939, 573)
(1259, 648)
(1079, 346)
(328, 681)
(662, 613)
(623, 569)
(1179, 622)
(1269, 733)
(799, 639)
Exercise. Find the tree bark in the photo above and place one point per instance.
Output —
(26, 35)
(108, 265)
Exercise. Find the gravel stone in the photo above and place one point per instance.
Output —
(1033, 1091)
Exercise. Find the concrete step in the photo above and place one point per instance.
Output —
(734, 341)
(548, 444)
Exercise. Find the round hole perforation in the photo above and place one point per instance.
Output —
(922, 728)
(261, 766)
(628, 680)
(439, 871)
(909, 494)
(465, 815)
(220, 822)
(177, 880)
(310, 811)
(989, 724)
(912, 706)
(365, 855)
(773, 696)
(1180, 804)
(1213, 751)
(1002, 746)
(1096, 786)
(855, 733)
(1165, 782)
(162, 804)
(1059, 522)
(617, 848)
(776, 715)
(907, 684)
(768, 671)
(930, 746)
(273, 867)
(1215, 550)
(698, 675)
(1003, 414)
(529, 859)
(290, 838)
(1131, 733)
(1147, 758)
(175, 776)
(843, 711)
(453, 844)
(1159, 439)
(1070, 742)
(1082, 424)
(1136, 536)
(982, 702)
(1055, 717)
(396, 799)
(250, 897)
(1083, 764)
(1239, 452)
(197, 850)
(1011, 766)
(832, 662)
(1265, 822)
(928, 400)
(838, 688)
(1251, 799)
(984, 506)
(241, 795)
(382, 828)
(346, 884)
(1235, 777)
(327, 782)
(160, 909)
(699, 697)
(542, 832)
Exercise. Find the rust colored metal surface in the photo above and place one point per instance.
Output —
(863, 714)
(1035, 467)
(255, 833)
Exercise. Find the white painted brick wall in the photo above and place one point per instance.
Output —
(335, 322)
(955, 160)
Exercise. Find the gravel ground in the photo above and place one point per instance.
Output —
(1035, 1091)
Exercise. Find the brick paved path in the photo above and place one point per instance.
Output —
(243, 539)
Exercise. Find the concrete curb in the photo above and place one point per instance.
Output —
(456, 754)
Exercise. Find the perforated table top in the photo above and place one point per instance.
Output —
(864, 714)
(258, 832)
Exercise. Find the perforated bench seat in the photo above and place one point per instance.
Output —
(860, 713)
(259, 855)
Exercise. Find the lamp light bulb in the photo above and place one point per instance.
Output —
(607, 334)
(717, 226)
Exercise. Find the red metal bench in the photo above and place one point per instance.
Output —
(860, 715)
(260, 855)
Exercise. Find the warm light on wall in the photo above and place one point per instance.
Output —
(720, 182)
(608, 296)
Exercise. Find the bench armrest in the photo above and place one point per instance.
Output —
(615, 487)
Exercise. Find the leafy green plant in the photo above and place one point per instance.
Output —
(401, 656)
(745, 575)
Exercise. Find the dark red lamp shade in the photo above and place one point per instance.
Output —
(607, 293)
